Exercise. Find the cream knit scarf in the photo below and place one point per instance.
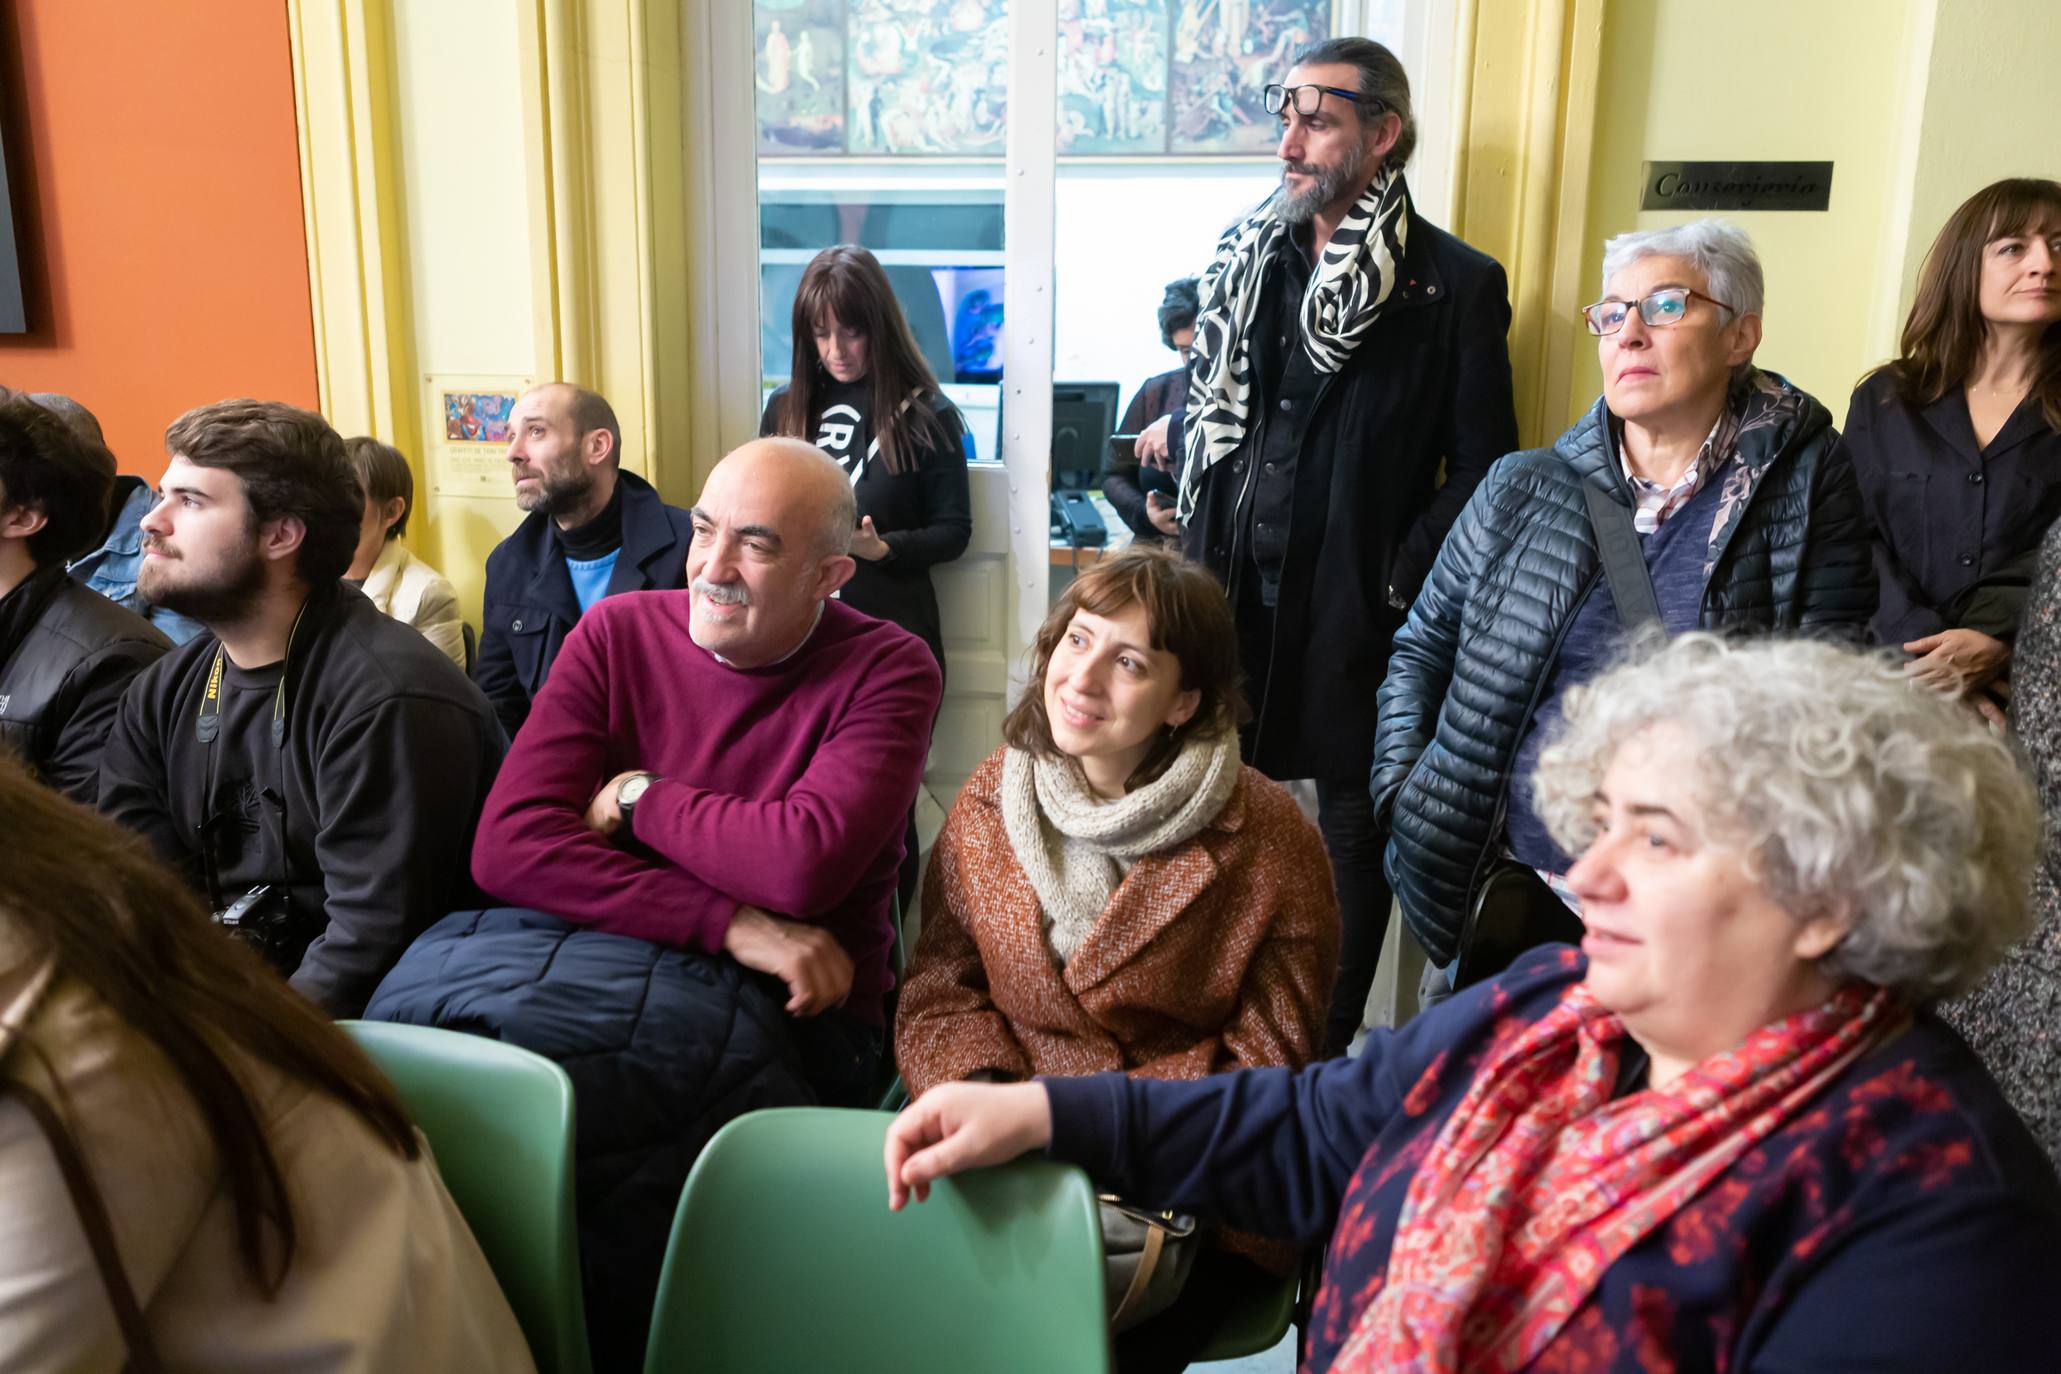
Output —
(1074, 846)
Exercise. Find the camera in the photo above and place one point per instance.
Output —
(261, 917)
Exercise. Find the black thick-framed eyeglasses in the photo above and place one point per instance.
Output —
(1307, 99)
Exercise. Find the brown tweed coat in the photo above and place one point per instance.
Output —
(1216, 954)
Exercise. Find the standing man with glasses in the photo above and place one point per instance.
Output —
(1350, 386)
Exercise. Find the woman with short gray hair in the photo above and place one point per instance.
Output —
(1727, 1133)
(1717, 488)
(1848, 796)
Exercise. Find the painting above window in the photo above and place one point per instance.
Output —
(930, 78)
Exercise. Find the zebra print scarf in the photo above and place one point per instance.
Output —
(1351, 283)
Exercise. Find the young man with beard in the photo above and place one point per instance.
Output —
(66, 653)
(593, 530)
(1347, 353)
(316, 767)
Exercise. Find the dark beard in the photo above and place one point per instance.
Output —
(221, 603)
(558, 494)
(1330, 183)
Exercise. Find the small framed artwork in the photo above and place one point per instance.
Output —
(470, 420)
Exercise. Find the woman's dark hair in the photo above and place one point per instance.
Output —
(79, 888)
(45, 466)
(1384, 87)
(290, 463)
(846, 284)
(382, 475)
(1943, 337)
(1187, 616)
(1178, 308)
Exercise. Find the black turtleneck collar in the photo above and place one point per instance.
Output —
(600, 536)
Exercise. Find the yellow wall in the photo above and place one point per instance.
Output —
(1687, 80)
(497, 189)
(1917, 103)
(465, 192)
(1992, 109)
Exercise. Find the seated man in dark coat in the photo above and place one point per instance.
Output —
(66, 653)
(594, 530)
(708, 799)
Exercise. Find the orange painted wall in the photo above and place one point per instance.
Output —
(156, 175)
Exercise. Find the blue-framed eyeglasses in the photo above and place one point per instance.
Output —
(1306, 99)
(1661, 308)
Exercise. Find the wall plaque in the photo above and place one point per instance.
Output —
(1737, 186)
(468, 421)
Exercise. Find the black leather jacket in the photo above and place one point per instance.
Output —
(61, 687)
(1469, 665)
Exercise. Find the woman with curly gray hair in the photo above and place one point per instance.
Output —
(1728, 1132)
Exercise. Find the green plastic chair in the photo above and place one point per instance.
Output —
(1258, 1319)
(889, 1083)
(500, 1122)
(784, 1257)
(1261, 1316)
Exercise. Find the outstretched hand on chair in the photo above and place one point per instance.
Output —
(959, 1126)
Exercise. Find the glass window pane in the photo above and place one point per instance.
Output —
(881, 123)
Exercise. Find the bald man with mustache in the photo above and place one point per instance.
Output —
(698, 831)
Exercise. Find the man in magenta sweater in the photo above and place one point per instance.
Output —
(697, 834)
(725, 767)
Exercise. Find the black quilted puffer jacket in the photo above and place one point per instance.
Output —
(1469, 666)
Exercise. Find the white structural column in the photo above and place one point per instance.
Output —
(1027, 229)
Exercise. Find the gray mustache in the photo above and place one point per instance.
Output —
(723, 593)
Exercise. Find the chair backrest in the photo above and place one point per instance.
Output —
(500, 1121)
(784, 1256)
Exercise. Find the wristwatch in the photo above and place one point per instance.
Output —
(629, 789)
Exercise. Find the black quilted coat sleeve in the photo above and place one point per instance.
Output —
(1420, 665)
(1837, 589)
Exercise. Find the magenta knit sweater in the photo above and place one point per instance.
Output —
(786, 787)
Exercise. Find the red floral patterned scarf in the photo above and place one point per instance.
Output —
(1539, 1182)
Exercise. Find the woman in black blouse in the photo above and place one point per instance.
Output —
(860, 391)
(1957, 444)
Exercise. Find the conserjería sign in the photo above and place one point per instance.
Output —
(1737, 186)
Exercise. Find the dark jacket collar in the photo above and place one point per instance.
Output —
(1418, 281)
(1777, 418)
(647, 534)
(1950, 419)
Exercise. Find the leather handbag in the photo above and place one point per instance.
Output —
(1146, 1256)
(1513, 909)
(93, 1219)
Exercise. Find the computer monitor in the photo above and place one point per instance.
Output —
(1083, 418)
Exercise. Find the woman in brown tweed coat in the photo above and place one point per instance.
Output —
(1114, 891)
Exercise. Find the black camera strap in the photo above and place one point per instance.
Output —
(207, 729)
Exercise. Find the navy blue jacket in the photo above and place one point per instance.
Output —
(1904, 1220)
(663, 1046)
(530, 605)
(1473, 660)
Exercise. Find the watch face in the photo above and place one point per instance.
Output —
(632, 788)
